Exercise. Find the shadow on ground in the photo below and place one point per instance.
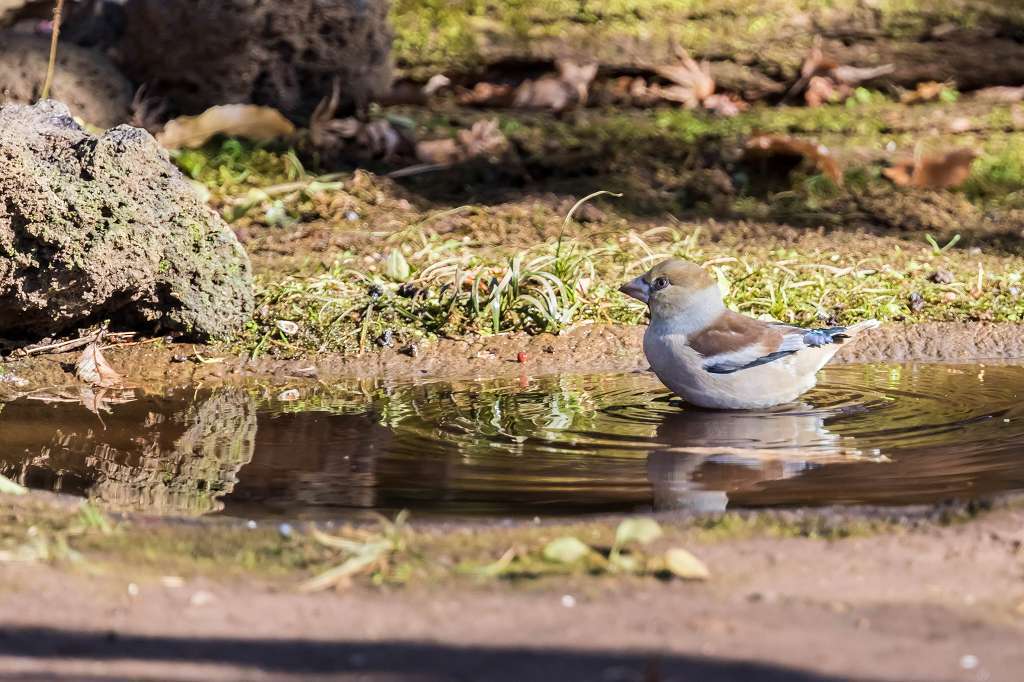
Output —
(390, 660)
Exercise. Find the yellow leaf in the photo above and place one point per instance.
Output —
(682, 564)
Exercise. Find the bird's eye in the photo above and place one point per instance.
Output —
(659, 283)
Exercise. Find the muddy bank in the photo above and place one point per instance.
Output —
(588, 348)
(181, 601)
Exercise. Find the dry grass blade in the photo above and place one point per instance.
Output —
(58, 13)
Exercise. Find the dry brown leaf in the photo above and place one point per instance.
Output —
(569, 89)
(487, 95)
(935, 171)
(822, 79)
(483, 138)
(928, 91)
(689, 75)
(725, 105)
(240, 120)
(822, 90)
(93, 369)
(782, 145)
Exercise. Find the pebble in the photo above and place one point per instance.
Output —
(133, 590)
(172, 582)
(351, 216)
(286, 530)
(287, 327)
(568, 601)
(201, 598)
(968, 661)
(288, 396)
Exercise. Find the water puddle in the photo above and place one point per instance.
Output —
(882, 434)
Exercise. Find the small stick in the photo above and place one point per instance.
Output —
(58, 11)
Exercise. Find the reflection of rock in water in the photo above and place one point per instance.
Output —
(709, 454)
(313, 460)
(169, 455)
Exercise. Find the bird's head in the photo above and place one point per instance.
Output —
(674, 287)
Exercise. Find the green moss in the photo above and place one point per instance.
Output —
(464, 35)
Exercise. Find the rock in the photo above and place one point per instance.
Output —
(279, 54)
(107, 228)
(86, 81)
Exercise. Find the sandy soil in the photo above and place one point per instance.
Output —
(924, 602)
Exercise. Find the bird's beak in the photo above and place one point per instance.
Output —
(638, 289)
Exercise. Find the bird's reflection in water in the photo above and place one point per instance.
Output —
(707, 454)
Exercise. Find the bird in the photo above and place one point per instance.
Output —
(716, 358)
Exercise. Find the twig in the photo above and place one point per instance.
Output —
(69, 345)
(58, 12)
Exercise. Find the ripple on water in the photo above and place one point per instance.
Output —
(881, 434)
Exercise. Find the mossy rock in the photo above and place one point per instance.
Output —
(95, 228)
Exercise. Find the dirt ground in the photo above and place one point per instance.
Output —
(586, 348)
(919, 599)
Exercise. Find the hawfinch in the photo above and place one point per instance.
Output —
(713, 357)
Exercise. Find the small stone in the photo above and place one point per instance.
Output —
(133, 590)
(179, 358)
(286, 530)
(568, 601)
(941, 277)
(290, 395)
(412, 350)
(250, 524)
(375, 291)
(1015, 291)
(172, 582)
(287, 327)
(949, 296)
(309, 372)
(201, 598)
(969, 661)
(521, 357)
(385, 340)
(408, 290)
(915, 302)
(351, 216)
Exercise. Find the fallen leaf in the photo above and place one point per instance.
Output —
(685, 565)
(928, 91)
(396, 267)
(482, 139)
(239, 120)
(569, 89)
(487, 95)
(566, 550)
(783, 145)
(934, 171)
(823, 80)
(725, 105)
(93, 369)
(640, 530)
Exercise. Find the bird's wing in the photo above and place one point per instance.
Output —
(736, 342)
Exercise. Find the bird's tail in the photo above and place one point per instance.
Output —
(854, 329)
